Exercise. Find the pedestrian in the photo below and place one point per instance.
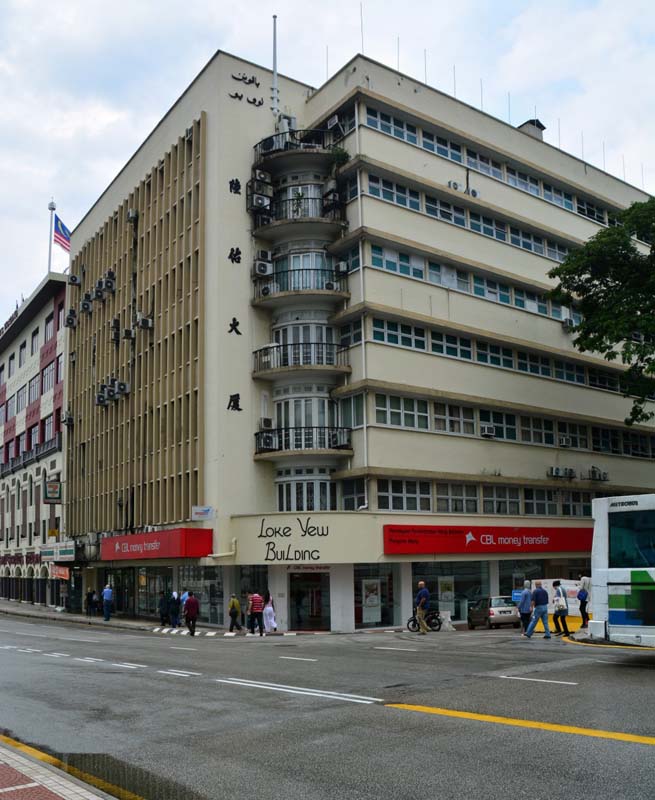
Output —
(96, 603)
(256, 605)
(270, 624)
(234, 611)
(183, 598)
(525, 606)
(191, 611)
(539, 611)
(422, 602)
(163, 608)
(561, 609)
(90, 607)
(583, 597)
(174, 605)
(107, 597)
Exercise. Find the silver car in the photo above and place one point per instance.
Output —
(494, 612)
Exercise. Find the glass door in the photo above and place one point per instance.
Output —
(309, 601)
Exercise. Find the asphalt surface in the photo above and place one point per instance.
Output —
(182, 718)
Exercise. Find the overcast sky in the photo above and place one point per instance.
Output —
(82, 82)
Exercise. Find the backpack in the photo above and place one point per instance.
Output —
(583, 595)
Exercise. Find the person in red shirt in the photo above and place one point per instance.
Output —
(256, 611)
(191, 611)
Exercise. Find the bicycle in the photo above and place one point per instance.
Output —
(432, 619)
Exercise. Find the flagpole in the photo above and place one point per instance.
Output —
(51, 207)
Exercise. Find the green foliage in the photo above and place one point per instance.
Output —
(612, 282)
(339, 157)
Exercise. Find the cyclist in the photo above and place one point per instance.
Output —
(422, 602)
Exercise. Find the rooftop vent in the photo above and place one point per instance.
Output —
(533, 127)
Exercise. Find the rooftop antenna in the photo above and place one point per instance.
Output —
(582, 143)
(509, 108)
(275, 97)
(454, 82)
(643, 183)
(52, 206)
(361, 23)
(398, 53)
(604, 157)
(481, 97)
(559, 134)
(623, 157)
(425, 65)
(327, 63)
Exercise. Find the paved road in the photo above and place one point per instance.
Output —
(327, 716)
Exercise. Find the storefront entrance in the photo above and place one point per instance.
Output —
(309, 601)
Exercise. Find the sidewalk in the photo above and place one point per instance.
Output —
(15, 608)
(32, 775)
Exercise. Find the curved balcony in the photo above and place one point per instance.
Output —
(282, 151)
(284, 442)
(300, 217)
(313, 359)
(306, 282)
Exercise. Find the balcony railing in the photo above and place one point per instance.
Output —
(298, 208)
(300, 354)
(300, 280)
(30, 456)
(286, 439)
(293, 140)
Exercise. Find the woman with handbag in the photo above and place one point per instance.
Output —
(561, 609)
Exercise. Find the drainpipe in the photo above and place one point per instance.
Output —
(229, 554)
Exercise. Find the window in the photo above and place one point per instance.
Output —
(587, 209)
(60, 368)
(636, 444)
(306, 491)
(505, 424)
(488, 226)
(351, 188)
(603, 380)
(49, 327)
(531, 301)
(21, 398)
(353, 494)
(48, 428)
(500, 500)
(457, 498)
(498, 292)
(350, 334)
(523, 181)
(393, 192)
(441, 146)
(483, 164)
(558, 197)
(537, 430)
(60, 316)
(2, 374)
(21, 444)
(352, 411)
(33, 389)
(396, 333)
(528, 241)
(22, 354)
(456, 346)
(394, 261)
(403, 411)
(494, 355)
(576, 504)
(445, 211)
(556, 251)
(48, 377)
(12, 365)
(3, 412)
(542, 502)
(566, 371)
(605, 440)
(33, 435)
(578, 434)
(11, 407)
(454, 419)
(534, 364)
(400, 495)
(35, 342)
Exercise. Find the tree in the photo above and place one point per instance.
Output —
(611, 281)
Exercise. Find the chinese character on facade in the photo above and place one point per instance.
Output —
(234, 327)
(235, 186)
(235, 255)
(234, 403)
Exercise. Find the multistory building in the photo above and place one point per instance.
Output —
(32, 366)
(326, 363)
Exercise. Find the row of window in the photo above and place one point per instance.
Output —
(440, 417)
(487, 165)
(41, 432)
(462, 347)
(29, 392)
(49, 332)
(418, 267)
(458, 215)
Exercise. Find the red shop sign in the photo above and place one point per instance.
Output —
(174, 543)
(479, 539)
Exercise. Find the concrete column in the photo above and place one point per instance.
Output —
(278, 586)
(342, 598)
(406, 593)
(494, 577)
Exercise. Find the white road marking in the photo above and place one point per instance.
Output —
(28, 650)
(172, 647)
(19, 786)
(177, 674)
(276, 687)
(130, 664)
(211, 633)
(404, 649)
(228, 635)
(66, 655)
(288, 634)
(536, 680)
(297, 658)
(52, 655)
(156, 630)
(164, 630)
(126, 666)
(90, 660)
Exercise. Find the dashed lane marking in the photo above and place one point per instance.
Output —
(183, 648)
(297, 658)
(302, 690)
(404, 649)
(536, 680)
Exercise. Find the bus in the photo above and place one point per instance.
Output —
(623, 570)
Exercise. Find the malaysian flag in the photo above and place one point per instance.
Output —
(62, 235)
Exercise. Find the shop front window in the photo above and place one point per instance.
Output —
(206, 583)
(453, 585)
(151, 581)
(376, 604)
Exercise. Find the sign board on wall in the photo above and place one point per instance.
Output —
(172, 543)
(484, 540)
(52, 492)
(60, 573)
(200, 513)
(58, 551)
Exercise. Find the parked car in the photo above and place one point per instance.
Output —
(494, 612)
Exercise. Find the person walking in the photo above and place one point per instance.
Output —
(561, 610)
(163, 608)
(234, 611)
(583, 597)
(191, 611)
(525, 606)
(256, 606)
(96, 603)
(183, 598)
(270, 624)
(90, 605)
(422, 602)
(174, 605)
(107, 597)
(539, 611)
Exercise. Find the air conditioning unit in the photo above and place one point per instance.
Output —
(596, 474)
(146, 324)
(122, 387)
(70, 321)
(474, 193)
(564, 441)
(330, 187)
(68, 420)
(555, 472)
(342, 268)
(110, 275)
(109, 285)
(110, 393)
(265, 424)
(260, 175)
(454, 185)
(132, 216)
(268, 441)
(334, 441)
(269, 289)
(488, 431)
(86, 306)
(262, 269)
(101, 399)
(129, 333)
(259, 201)
(568, 472)
(330, 286)
(74, 280)
(264, 255)
(99, 294)
(87, 296)
(333, 122)
(568, 324)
